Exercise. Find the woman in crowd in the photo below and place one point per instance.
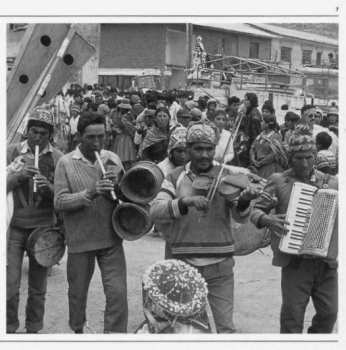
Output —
(154, 145)
(249, 129)
(267, 154)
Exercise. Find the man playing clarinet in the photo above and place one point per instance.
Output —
(302, 276)
(30, 183)
(84, 193)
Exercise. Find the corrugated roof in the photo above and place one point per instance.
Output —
(295, 33)
(242, 28)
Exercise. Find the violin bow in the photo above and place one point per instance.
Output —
(231, 139)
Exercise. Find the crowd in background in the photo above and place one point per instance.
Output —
(139, 125)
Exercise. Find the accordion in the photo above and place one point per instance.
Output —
(312, 228)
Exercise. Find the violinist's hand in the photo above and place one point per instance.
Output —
(249, 193)
(199, 202)
(276, 223)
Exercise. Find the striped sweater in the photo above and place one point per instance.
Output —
(88, 223)
(194, 233)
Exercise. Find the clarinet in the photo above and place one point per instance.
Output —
(98, 158)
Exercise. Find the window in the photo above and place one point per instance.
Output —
(318, 58)
(254, 50)
(307, 56)
(286, 53)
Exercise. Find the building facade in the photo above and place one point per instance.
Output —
(128, 50)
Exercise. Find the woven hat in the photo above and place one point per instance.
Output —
(125, 104)
(301, 139)
(201, 132)
(75, 108)
(42, 115)
(177, 138)
(174, 288)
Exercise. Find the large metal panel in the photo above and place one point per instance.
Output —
(76, 55)
(39, 44)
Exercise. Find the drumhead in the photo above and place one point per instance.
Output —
(46, 245)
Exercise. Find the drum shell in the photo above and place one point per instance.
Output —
(46, 245)
(131, 221)
(142, 182)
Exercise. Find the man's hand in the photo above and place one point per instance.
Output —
(275, 223)
(199, 202)
(249, 194)
(28, 171)
(42, 183)
(104, 186)
(111, 175)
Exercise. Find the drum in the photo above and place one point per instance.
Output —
(46, 245)
(142, 182)
(131, 221)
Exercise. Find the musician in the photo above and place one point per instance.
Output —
(304, 276)
(197, 231)
(31, 210)
(83, 197)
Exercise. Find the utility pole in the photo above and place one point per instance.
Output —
(189, 30)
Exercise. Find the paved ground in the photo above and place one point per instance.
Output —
(257, 292)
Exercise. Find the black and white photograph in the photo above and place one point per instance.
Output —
(171, 177)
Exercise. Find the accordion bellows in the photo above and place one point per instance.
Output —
(312, 216)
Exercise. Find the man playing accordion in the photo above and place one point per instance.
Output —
(302, 276)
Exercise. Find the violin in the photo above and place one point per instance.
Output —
(230, 186)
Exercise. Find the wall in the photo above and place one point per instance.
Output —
(297, 51)
(91, 33)
(264, 47)
(132, 45)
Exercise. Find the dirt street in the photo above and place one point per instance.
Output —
(257, 292)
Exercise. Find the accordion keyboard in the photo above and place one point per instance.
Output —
(298, 215)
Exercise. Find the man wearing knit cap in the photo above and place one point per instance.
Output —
(197, 231)
(30, 211)
(308, 117)
(302, 276)
(176, 151)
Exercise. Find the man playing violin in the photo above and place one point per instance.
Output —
(198, 230)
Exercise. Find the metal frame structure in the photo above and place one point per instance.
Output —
(240, 67)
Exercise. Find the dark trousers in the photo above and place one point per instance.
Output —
(220, 281)
(37, 283)
(80, 269)
(300, 280)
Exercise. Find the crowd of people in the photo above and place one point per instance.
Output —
(139, 124)
(184, 137)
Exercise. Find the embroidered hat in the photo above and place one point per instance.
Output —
(177, 138)
(174, 288)
(201, 132)
(41, 114)
(301, 139)
(75, 108)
